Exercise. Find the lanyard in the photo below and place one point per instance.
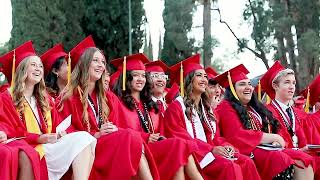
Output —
(285, 117)
(96, 114)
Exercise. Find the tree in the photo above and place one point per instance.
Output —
(4, 48)
(38, 20)
(177, 17)
(108, 23)
(303, 16)
(148, 50)
(74, 11)
(160, 46)
(207, 39)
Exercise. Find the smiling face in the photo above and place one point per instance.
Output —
(34, 70)
(159, 82)
(200, 81)
(244, 90)
(285, 87)
(62, 72)
(97, 66)
(138, 80)
(214, 91)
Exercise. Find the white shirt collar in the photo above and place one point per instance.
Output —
(156, 99)
(282, 105)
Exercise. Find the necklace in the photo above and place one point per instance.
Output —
(204, 117)
(146, 122)
(98, 115)
(285, 120)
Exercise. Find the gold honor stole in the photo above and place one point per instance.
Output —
(33, 126)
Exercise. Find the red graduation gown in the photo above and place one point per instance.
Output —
(9, 154)
(300, 117)
(268, 163)
(220, 168)
(16, 128)
(169, 154)
(117, 154)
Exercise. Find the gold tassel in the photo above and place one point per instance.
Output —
(268, 99)
(69, 68)
(181, 81)
(231, 86)
(259, 91)
(124, 73)
(307, 105)
(80, 92)
(13, 71)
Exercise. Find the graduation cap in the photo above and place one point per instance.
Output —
(267, 79)
(131, 62)
(228, 78)
(114, 77)
(79, 49)
(12, 59)
(211, 73)
(76, 52)
(51, 56)
(156, 66)
(312, 93)
(180, 70)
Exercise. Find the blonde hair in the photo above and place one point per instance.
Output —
(39, 91)
(281, 74)
(79, 79)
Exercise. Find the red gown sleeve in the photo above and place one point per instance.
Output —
(311, 126)
(70, 107)
(11, 120)
(231, 128)
(174, 126)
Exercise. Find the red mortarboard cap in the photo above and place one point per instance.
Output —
(114, 77)
(267, 78)
(180, 70)
(49, 57)
(20, 52)
(237, 73)
(314, 90)
(190, 64)
(156, 66)
(78, 50)
(133, 62)
(174, 90)
(211, 73)
(299, 102)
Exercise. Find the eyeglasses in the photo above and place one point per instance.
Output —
(159, 76)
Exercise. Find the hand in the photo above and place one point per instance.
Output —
(154, 137)
(3, 136)
(305, 149)
(215, 101)
(230, 150)
(48, 138)
(61, 134)
(279, 139)
(108, 128)
(220, 150)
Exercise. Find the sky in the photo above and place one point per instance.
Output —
(227, 49)
(231, 11)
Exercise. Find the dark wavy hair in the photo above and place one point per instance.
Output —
(189, 101)
(145, 94)
(51, 78)
(265, 114)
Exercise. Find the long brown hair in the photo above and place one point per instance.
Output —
(189, 101)
(39, 91)
(79, 82)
